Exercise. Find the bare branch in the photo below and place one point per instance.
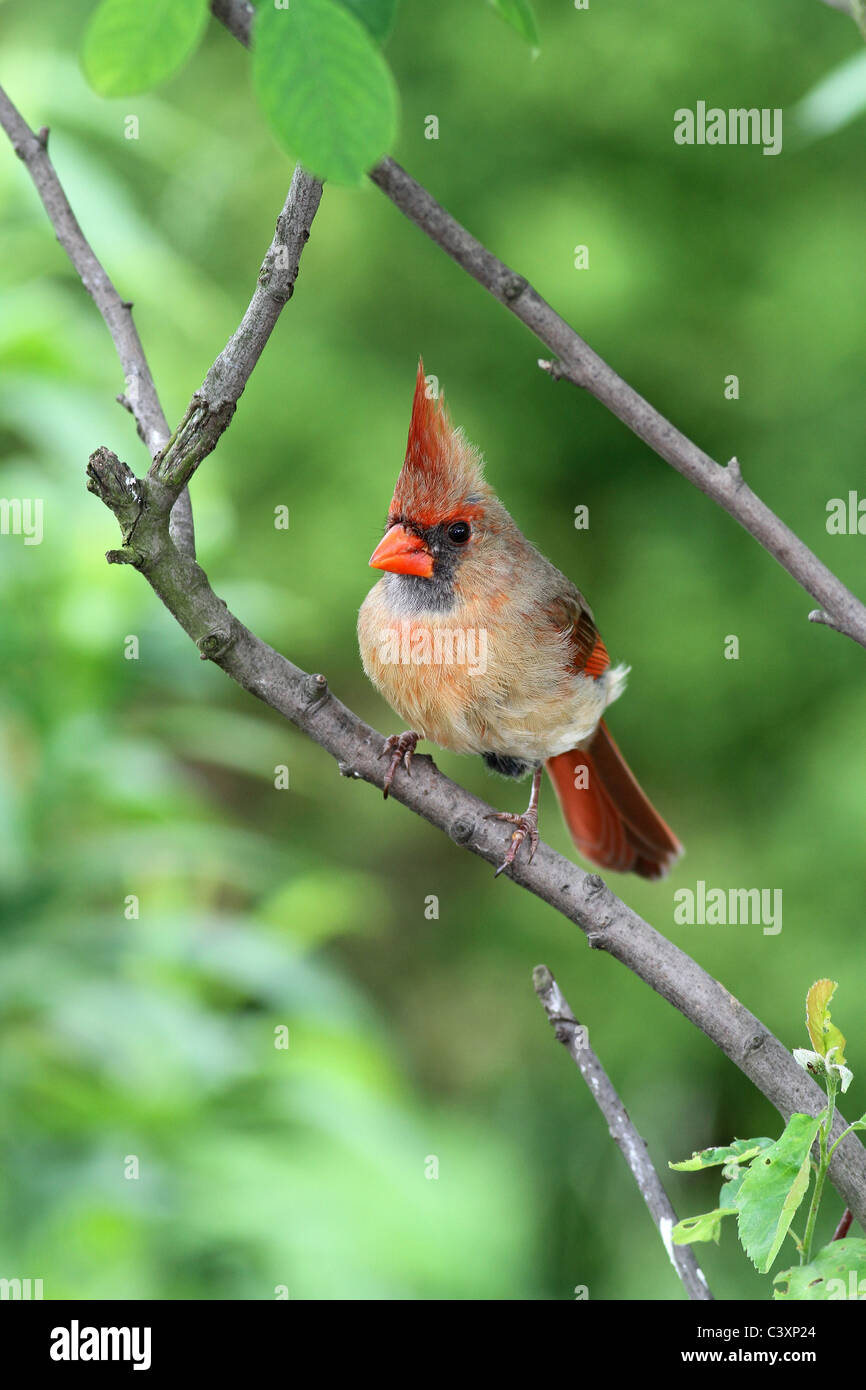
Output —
(139, 397)
(622, 1131)
(844, 1226)
(213, 405)
(610, 924)
(581, 365)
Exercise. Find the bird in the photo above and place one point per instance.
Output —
(482, 646)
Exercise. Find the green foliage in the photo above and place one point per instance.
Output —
(707, 1226)
(521, 16)
(824, 1034)
(377, 15)
(835, 1273)
(766, 1182)
(773, 1189)
(736, 1152)
(325, 88)
(129, 47)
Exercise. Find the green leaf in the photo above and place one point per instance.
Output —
(823, 1033)
(729, 1189)
(835, 1273)
(376, 15)
(705, 1227)
(739, 1151)
(521, 16)
(130, 46)
(325, 88)
(773, 1189)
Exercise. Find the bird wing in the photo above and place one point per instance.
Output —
(573, 619)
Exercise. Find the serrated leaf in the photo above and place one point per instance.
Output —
(822, 1031)
(130, 46)
(708, 1226)
(773, 1189)
(376, 15)
(837, 1272)
(739, 1151)
(521, 16)
(324, 87)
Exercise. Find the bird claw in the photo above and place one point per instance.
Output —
(526, 826)
(401, 747)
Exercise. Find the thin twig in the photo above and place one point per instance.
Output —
(213, 405)
(844, 1225)
(139, 396)
(632, 1147)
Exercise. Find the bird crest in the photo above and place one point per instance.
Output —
(441, 477)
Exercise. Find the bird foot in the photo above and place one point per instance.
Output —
(401, 747)
(526, 827)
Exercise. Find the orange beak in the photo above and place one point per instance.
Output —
(402, 553)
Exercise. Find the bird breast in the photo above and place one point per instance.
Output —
(473, 682)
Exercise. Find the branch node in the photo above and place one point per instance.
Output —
(819, 615)
(557, 369)
(42, 136)
(127, 556)
(755, 1042)
(513, 287)
(315, 689)
(733, 467)
(114, 483)
(542, 979)
(461, 830)
(215, 644)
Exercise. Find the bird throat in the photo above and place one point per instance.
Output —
(410, 594)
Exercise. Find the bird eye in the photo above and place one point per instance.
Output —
(459, 532)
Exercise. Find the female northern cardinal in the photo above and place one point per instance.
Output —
(484, 647)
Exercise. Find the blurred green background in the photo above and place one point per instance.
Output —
(410, 1038)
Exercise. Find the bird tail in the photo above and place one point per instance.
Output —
(611, 821)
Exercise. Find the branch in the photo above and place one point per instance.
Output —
(213, 405)
(581, 365)
(844, 1225)
(140, 396)
(622, 1131)
(610, 924)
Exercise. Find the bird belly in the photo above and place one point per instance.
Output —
(429, 671)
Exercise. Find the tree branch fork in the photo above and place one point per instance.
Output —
(146, 510)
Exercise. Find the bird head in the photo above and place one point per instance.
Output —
(442, 514)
